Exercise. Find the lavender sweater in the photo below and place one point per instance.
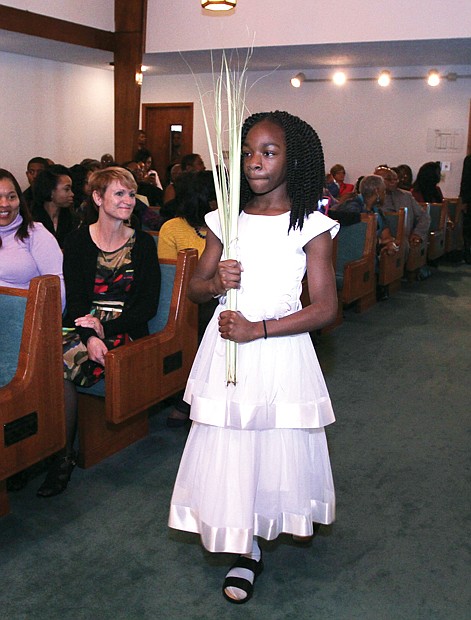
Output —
(37, 255)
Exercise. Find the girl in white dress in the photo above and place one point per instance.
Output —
(256, 461)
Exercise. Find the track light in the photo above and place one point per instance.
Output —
(384, 78)
(339, 78)
(433, 78)
(297, 80)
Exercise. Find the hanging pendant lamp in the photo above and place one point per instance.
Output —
(218, 5)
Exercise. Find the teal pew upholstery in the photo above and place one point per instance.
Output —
(355, 263)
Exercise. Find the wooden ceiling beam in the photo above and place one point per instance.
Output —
(36, 25)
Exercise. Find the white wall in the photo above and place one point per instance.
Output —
(360, 125)
(86, 12)
(178, 25)
(52, 109)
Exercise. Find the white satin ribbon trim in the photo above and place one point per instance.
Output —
(262, 417)
(236, 540)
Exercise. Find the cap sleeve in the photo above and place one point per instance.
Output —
(213, 223)
(317, 223)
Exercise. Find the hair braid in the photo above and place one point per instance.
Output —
(305, 164)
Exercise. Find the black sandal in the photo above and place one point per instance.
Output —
(239, 582)
(57, 477)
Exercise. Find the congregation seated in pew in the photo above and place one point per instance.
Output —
(371, 200)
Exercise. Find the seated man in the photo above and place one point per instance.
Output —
(417, 220)
(153, 193)
(34, 167)
(192, 162)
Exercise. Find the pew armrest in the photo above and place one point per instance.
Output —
(142, 373)
(437, 232)
(391, 268)
(454, 232)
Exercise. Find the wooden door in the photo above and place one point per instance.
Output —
(169, 130)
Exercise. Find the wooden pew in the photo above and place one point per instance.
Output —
(113, 413)
(355, 263)
(417, 255)
(391, 268)
(437, 232)
(32, 416)
(454, 241)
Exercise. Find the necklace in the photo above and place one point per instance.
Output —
(197, 230)
(111, 254)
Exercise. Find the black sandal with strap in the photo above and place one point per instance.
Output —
(239, 582)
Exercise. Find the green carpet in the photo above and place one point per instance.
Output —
(399, 378)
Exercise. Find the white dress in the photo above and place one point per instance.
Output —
(256, 461)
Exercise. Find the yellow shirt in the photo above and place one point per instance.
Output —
(176, 235)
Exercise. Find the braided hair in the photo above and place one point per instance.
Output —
(305, 164)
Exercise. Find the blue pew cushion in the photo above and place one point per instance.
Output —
(350, 247)
(156, 324)
(12, 311)
(167, 279)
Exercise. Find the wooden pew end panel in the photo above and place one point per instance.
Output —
(99, 439)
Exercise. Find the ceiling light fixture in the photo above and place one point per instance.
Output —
(384, 78)
(433, 78)
(339, 78)
(297, 80)
(218, 5)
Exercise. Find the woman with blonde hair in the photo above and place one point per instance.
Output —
(112, 282)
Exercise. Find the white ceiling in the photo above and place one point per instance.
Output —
(426, 53)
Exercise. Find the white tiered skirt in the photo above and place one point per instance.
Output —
(233, 485)
(256, 461)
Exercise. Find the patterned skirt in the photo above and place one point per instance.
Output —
(77, 365)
